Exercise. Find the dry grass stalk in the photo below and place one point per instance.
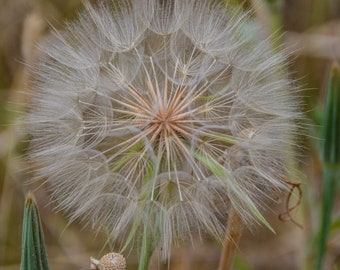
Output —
(232, 237)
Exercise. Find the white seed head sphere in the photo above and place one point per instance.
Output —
(160, 116)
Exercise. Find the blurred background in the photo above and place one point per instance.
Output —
(311, 28)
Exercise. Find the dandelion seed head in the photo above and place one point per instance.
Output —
(161, 114)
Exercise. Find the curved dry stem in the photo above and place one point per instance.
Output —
(232, 237)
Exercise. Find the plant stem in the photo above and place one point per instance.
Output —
(232, 237)
(329, 191)
(150, 239)
(147, 251)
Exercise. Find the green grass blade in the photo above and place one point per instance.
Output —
(331, 128)
(331, 159)
(221, 172)
(33, 254)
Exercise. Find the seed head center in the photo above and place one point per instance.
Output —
(164, 118)
(169, 121)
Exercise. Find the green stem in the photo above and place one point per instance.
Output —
(150, 238)
(147, 250)
(329, 192)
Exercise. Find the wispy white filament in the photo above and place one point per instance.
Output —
(152, 113)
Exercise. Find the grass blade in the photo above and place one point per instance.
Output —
(331, 159)
(33, 254)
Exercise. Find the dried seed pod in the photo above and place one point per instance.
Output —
(110, 261)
